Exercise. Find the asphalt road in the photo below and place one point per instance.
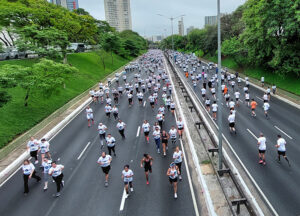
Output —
(278, 181)
(84, 192)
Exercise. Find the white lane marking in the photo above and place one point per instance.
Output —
(83, 150)
(235, 170)
(283, 132)
(240, 100)
(195, 158)
(138, 131)
(222, 104)
(259, 98)
(252, 133)
(123, 200)
(144, 103)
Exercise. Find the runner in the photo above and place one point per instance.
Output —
(214, 110)
(164, 139)
(177, 157)
(108, 110)
(156, 135)
(173, 135)
(266, 107)
(121, 127)
(172, 105)
(253, 107)
(160, 118)
(231, 119)
(33, 147)
(115, 112)
(127, 176)
(262, 149)
(130, 96)
(247, 98)
(262, 80)
(207, 104)
(146, 130)
(56, 172)
(151, 100)
(102, 131)
(140, 96)
(89, 115)
(104, 161)
(28, 173)
(44, 148)
(173, 177)
(146, 162)
(180, 127)
(46, 165)
(274, 89)
(111, 143)
(281, 143)
(237, 97)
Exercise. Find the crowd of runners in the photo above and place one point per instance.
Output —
(204, 77)
(151, 85)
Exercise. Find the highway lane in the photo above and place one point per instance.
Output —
(278, 181)
(84, 192)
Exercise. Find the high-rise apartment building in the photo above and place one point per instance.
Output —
(70, 4)
(211, 20)
(189, 29)
(181, 27)
(118, 14)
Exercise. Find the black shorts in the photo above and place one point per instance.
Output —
(148, 168)
(108, 114)
(129, 100)
(227, 99)
(252, 109)
(208, 105)
(231, 124)
(172, 108)
(146, 133)
(247, 100)
(126, 183)
(140, 99)
(102, 136)
(203, 95)
(237, 99)
(106, 169)
(173, 180)
(152, 103)
(261, 151)
(281, 153)
(180, 129)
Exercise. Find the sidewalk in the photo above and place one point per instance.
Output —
(279, 92)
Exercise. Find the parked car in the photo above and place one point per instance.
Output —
(76, 47)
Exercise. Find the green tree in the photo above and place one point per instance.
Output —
(45, 78)
(111, 43)
(272, 34)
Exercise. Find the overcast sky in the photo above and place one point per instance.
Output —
(146, 22)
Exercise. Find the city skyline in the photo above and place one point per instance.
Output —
(144, 13)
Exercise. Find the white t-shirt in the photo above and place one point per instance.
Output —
(203, 91)
(214, 107)
(102, 129)
(146, 127)
(281, 142)
(159, 116)
(105, 161)
(237, 94)
(44, 146)
(173, 133)
(110, 141)
(177, 156)
(47, 166)
(231, 104)
(262, 143)
(107, 109)
(27, 169)
(180, 124)
(127, 175)
(266, 106)
(56, 171)
(231, 118)
(121, 125)
(32, 145)
(156, 134)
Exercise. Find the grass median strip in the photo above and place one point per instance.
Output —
(16, 118)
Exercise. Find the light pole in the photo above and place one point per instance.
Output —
(171, 18)
(219, 90)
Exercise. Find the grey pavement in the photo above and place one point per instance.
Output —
(84, 192)
(278, 181)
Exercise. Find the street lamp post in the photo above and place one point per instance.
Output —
(219, 90)
(171, 18)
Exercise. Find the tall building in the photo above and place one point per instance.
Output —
(70, 4)
(189, 29)
(118, 14)
(181, 27)
(211, 20)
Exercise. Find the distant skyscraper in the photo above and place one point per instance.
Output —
(118, 14)
(189, 29)
(211, 20)
(70, 4)
(181, 27)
